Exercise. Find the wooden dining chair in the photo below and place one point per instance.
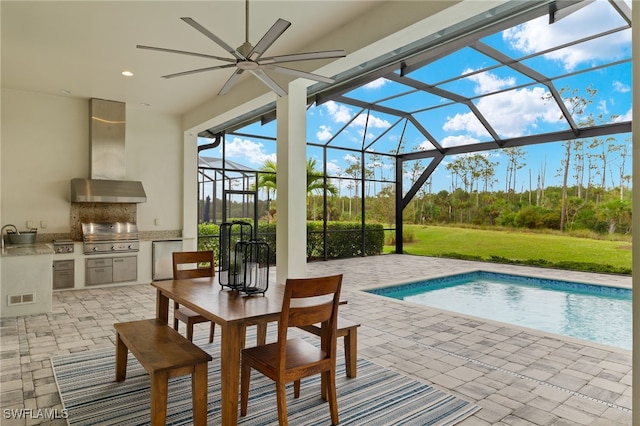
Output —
(306, 301)
(190, 264)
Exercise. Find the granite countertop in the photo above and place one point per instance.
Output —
(26, 249)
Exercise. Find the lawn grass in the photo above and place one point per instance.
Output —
(519, 247)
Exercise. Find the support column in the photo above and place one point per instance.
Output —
(635, 129)
(291, 234)
(190, 192)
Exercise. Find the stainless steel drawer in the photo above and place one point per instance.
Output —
(96, 263)
(101, 275)
(63, 265)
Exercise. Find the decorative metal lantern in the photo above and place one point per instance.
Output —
(229, 260)
(254, 269)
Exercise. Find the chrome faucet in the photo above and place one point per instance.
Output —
(2, 232)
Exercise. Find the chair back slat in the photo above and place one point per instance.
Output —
(192, 264)
(309, 301)
(299, 317)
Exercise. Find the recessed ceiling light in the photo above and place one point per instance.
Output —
(127, 73)
(66, 91)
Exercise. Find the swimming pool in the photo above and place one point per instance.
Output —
(590, 312)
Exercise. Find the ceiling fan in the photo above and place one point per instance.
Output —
(249, 58)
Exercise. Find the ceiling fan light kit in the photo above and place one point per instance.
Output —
(249, 58)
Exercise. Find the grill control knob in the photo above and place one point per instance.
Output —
(95, 249)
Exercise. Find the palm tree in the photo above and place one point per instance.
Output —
(315, 179)
(267, 179)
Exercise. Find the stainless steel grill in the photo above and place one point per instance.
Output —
(114, 237)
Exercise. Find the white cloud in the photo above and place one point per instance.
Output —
(342, 114)
(333, 168)
(451, 141)
(627, 116)
(324, 133)
(602, 106)
(537, 35)
(376, 84)
(349, 158)
(621, 87)
(338, 113)
(245, 150)
(425, 146)
(487, 82)
(510, 113)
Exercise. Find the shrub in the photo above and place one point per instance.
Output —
(344, 239)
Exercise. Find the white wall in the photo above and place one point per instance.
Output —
(45, 143)
(154, 152)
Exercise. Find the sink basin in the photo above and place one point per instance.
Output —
(24, 237)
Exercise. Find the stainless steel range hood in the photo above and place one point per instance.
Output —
(107, 136)
(107, 191)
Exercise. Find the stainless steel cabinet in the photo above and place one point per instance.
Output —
(63, 274)
(107, 270)
(99, 271)
(125, 269)
(162, 258)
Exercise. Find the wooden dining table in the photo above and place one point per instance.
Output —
(233, 311)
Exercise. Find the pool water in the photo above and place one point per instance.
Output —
(590, 312)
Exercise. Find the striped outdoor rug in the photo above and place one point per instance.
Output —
(376, 397)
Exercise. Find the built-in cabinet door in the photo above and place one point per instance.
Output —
(101, 275)
(63, 274)
(125, 269)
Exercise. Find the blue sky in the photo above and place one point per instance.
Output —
(514, 107)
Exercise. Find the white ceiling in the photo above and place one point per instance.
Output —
(80, 48)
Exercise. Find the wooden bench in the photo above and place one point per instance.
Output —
(348, 330)
(164, 353)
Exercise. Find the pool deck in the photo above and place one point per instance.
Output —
(518, 376)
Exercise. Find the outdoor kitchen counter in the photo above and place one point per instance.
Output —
(27, 279)
(26, 249)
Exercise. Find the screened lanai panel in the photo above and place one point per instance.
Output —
(485, 82)
(538, 35)
(378, 90)
(414, 100)
(393, 141)
(608, 103)
(521, 112)
(453, 66)
(411, 172)
(341, 162)
(381, 169)
(336, 124)
(574, 58)
(365, 128)
(400, 139)
(453, 125)
(315, 160)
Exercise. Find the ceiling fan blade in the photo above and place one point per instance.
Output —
(180, 74)
(269, 82)
(297, 73)
(230, 82)
(269, 38)
(326, 54)
(213, 37)
(184, 52)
